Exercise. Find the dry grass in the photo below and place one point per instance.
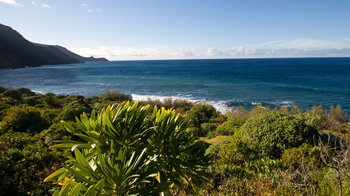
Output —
(216, 139)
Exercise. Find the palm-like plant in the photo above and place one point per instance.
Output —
(130, 150)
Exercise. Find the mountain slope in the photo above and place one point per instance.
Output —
(16, 52)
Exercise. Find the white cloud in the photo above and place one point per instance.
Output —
(44, 5)
(85, 5)
(94, 10)
(128, 53)
(34, 3)
(296, 48)
(119, 53)
(11, 2)
(282, 52)
(306, 44)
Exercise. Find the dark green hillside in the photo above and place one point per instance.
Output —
(16, 52)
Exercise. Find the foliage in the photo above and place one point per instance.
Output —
(31, 101)
(24, 162)
(214, 149)
(25, 92)
(2, 89)
(198, 114)
(51, 101)
(305, 154)
(273, 132)
(239, 165)
(315, 117)
(208, 128)
(22, 119)
(239, 151)
(70, 112)
(227, 128)
(127, 151)
(115, 96)
(12, 94)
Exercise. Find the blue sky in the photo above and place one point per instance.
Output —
(158, 29)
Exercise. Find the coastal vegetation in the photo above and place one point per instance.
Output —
(113, 145)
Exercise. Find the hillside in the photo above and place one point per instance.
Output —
(17, 52)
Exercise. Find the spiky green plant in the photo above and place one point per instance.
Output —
(130, 150)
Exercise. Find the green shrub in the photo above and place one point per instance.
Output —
(309, 155)
(24, 163)
(273, 132)
(214, 149)
(207, 128)
(182, 104)
(50, 115)
(12, 94)
(21, 119)
(200, 113)
(26, 92)
(239, 151)
(31, 101)
(227, 128)
(115, 96)
(54, 133)
(315, 117)
(2, 89)
(71, 111)
(132, 150)
(51, 101)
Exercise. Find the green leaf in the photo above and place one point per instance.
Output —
(76, 190)
(55, 175)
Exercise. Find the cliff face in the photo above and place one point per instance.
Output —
(17, 52)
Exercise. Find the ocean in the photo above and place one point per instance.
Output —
(224, 83)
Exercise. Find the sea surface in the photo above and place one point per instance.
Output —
(225, 83)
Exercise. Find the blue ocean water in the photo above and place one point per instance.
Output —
(225, 83)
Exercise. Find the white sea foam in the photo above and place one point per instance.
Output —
(39, 92)
(220, 106)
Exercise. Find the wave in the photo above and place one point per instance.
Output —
(38, 92)
(220, 106)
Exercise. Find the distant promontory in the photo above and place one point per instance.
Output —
(17, 52)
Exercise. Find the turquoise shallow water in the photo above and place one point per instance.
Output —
(228, 83)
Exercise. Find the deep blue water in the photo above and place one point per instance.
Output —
(301, 82)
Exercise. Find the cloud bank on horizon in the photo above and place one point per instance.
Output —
(283, 48)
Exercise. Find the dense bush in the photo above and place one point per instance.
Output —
(305, 154)
(51, 101)
(70, 112)
(115, 96)
(2, 89)
(273, 132)
(26, 92)
(227, 128)
(31, 101)
(14, 94)
(198, 114)
(214, 149)
(315, 117)
(24, 162)
(208, 128)
(22, 119)
(239, 151)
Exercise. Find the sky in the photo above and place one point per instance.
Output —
(185, 29)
